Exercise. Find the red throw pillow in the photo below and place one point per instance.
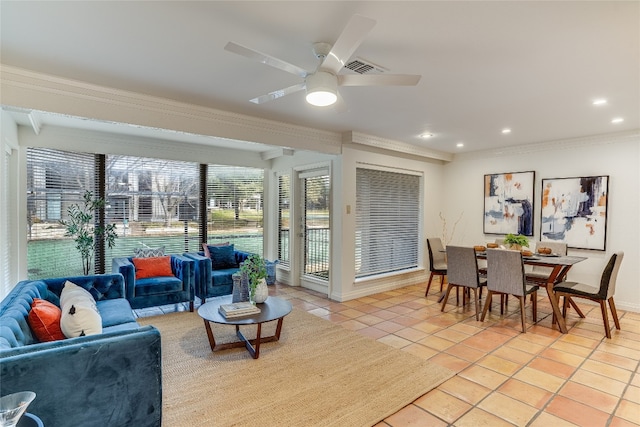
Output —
(152, 267)
(44, 320)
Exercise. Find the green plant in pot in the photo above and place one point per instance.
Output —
(81, 227)
(255, 269)
(516, 241)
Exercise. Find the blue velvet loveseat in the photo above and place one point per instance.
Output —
(110, 379)
(153, 291)
(214, 273)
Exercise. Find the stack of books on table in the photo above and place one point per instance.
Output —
(238, 309)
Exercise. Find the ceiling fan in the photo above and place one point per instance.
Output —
(322, 84)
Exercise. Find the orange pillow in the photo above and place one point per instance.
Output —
(44, 320)
(152, 267)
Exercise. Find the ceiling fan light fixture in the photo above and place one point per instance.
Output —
(322, 89)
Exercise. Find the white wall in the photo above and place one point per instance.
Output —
(616, 155)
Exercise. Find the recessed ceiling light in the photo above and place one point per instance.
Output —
(617, 120)
(600, 101)
(426, 135)
(506, 130)
(459, 145)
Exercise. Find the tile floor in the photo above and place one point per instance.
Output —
(542, 378)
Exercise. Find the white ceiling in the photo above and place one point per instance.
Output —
(534, 67)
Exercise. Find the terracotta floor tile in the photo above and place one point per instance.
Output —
(451, 335)
(552, 367)
(353, 325)
(527, 393)
(464, 389)
(518, 356)
(589, 396)
(576, 412)
(372, 332)
(466, 353)
(636, 379)
(479, 418)
(508, 409)
(571, 348)
(420, 351)
(426, 327)
(527, 347)
(454, 363)
(607, 370)
(619, 350)
(562, 357)
(351, 313)
(394, 341)
(629, 411)
(546, 419)
(436, 342)
(411, 334)
(579, 340)
(614, 359)
(599, 382)
(406, 321)
(632, 394)
(443, 405)
(539, 379)
(486, 341)
(413, 416)
(336, 317)
(370, 319)
(499, 365)
(483, 376)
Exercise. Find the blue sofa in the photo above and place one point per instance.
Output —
(155, 291)
(214, 282)
(110, 379)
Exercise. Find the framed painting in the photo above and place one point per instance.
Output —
(574, 211)
(508, 203)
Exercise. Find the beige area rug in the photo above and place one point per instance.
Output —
(318, 374)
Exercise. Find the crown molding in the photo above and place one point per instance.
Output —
(392, 145)
(562, 144)
(31, 90)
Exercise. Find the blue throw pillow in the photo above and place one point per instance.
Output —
(222, 257)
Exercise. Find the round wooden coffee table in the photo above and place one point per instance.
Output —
(273, 308)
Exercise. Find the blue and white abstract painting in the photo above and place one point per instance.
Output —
(574, 211)
(508, 203)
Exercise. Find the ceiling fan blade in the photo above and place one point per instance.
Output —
(265, 59)
(278, 93)
(353, 34)
(378, 80)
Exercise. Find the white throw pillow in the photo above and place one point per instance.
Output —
(80, 314)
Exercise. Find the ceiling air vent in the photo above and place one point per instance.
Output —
(361, 66)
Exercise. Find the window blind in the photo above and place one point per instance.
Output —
(55, 180)
(284, 211)
(154, 203)
(6, 224)
(387, 221)
(235, 207)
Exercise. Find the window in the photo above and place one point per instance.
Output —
(55, 180)
(387, 221)
(154, 203)
(234, 206)
(284, 212)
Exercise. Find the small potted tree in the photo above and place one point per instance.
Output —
(81, 227)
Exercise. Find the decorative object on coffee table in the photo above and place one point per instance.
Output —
(254, 269)
(12, 406)
(240, 288)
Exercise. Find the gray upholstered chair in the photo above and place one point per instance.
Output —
(505, 276)
(462, 271)
(437, 261)
(598, 293)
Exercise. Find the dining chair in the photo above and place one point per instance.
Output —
(437, 261)
(505, 276)
(540, 274)
(462, 271)
(598, 293)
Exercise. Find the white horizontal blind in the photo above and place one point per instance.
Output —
(235, 206)
(154, 203)
(6, 225)
(55, 180)
(284, 222)
(387, 221)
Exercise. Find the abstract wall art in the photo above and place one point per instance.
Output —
(574, 211)
(508, 203)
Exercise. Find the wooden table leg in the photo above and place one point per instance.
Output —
(212, 340)
(558, 271)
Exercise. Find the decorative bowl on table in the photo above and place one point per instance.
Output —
(12, 406)
(527, 253)
(479, 248)
(492, 245)
(544, 251)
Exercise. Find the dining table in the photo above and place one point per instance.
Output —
(560, 266)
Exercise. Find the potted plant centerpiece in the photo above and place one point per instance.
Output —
(516, 242)
(254, 268)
